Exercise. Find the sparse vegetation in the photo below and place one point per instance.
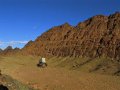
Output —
(62, 73)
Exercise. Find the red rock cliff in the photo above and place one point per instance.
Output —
(99, 35)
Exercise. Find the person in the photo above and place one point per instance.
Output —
(42, 62)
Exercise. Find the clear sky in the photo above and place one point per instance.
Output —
(24, 20)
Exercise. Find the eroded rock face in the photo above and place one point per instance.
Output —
(97, 36)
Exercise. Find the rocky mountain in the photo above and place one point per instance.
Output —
(9, 51)
(97, 36)
(8, 48)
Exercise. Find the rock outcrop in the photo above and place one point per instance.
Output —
(8, 83)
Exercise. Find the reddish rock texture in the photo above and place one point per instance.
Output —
(97, 36)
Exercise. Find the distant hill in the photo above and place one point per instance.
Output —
(97, 36)
(9, 51)
(8, 48)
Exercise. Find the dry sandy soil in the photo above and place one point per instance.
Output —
(24, 69)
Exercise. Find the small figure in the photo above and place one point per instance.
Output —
(42, 63)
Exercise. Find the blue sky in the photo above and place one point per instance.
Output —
(24, 20)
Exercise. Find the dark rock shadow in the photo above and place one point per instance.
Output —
(3, 87)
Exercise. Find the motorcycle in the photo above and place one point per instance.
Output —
(42, 65)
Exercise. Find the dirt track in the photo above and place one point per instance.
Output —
(24, 69)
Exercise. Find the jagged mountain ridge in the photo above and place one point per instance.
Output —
(9, 51)
(97, 36)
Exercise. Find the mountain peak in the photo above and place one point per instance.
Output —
(117, 12)
(9, 48)
(115, 15)
(66, 25)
